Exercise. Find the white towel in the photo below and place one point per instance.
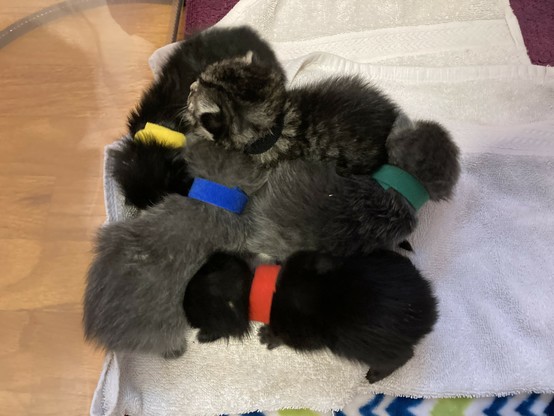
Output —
(487, 252)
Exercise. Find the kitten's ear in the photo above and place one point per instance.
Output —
(213, 123)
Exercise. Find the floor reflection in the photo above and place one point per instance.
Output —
(66, 88)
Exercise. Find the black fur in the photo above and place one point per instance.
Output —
(166, 98)
(372, 309)
(345, 119)
(227, 313)
(146, 172)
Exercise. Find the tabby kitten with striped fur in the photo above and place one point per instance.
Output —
(243, 104)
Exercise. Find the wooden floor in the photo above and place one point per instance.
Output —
(65, 90)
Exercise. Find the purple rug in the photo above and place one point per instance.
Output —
(536, 19)
(201, 14)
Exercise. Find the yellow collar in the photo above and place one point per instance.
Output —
(161, 135)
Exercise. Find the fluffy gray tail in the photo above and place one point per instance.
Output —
(426, 150)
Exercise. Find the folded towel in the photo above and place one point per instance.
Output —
(423, 32)
(487, 252)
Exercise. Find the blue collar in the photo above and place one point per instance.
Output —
(213, 193)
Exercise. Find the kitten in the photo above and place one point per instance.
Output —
(372, 309)
(136, 283)
(307, 206)
(147, 171)
(242, 104)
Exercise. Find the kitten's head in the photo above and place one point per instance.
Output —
(147, 171)
(426, 150)
(236, 101)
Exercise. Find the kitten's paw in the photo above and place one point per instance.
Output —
(268, 337)
(405, 245)
(205, 336)
(171, 355)
(374, 375)
(265, 334)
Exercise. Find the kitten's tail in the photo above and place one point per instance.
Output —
(147, 171)
(426, 150)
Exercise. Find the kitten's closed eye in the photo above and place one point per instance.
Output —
(213, 123)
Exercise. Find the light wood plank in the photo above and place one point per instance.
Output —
(65, 91)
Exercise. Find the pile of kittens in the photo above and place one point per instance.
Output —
(317, 211)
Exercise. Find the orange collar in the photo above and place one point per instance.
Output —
(261, 292)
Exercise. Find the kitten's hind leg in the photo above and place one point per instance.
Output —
(268, 337)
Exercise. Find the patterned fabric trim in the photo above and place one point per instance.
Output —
(380, 405)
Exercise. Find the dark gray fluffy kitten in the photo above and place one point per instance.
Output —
(242, 103)
(138, 278)
(136, 283)
(308, 207)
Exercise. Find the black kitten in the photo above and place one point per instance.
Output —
(216, 299)
(373, 309)
(147, 171)
(242, 103)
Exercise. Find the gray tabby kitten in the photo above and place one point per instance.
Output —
(136, 284)
(242, 104)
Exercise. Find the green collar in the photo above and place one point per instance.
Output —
(390, 176)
